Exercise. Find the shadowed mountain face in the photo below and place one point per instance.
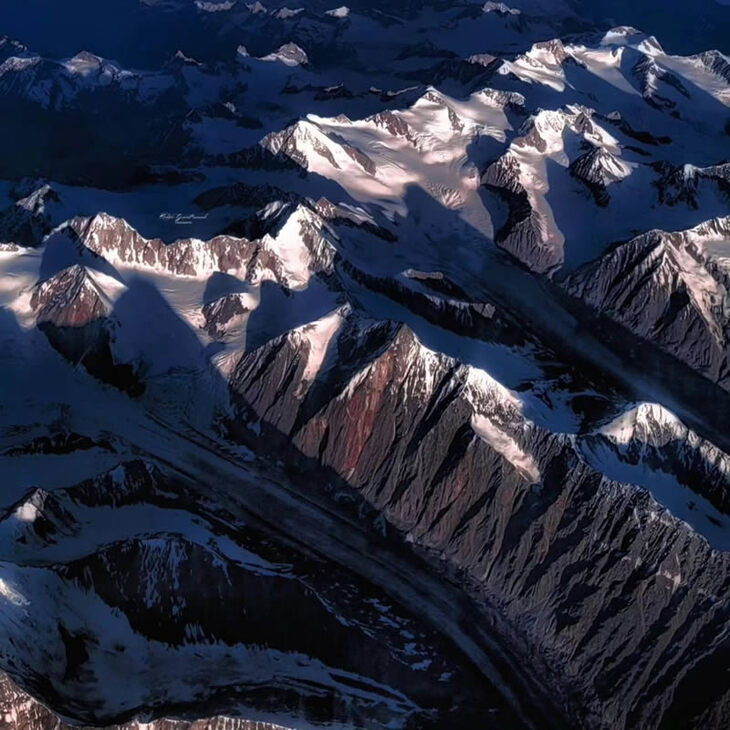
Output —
(364, 367)
(146, 33)
(684, 27)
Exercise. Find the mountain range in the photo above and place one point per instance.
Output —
(364, 366)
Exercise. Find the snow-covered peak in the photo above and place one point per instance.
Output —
(496, 412)
(549, 52)
(655, 82)
(301, 244)
(17, 64)
(32, 217)
(257, 8)
(296, 246)
(543, 132)
(498, 420)
(74, 297)
(651, 424)
(287, 13)
(500, 8)
(89, 69)
(99, 223)
(642, 422)
(11, 47)
(599, 166)
(56, 84)
(417, 372)
(315, 339)
(310, 144)
(215, 7)
(542, 64)
(666, 287)
(84, 63)
(341, 12)
(715, 62)
(37, 201)
(619, 35)
(121, 245)
(651, 447)
(439, 117)
(404, 359)
(708, 232)
(683, 183)
(446, 421)
(182, 59)
(290, 54)
(31, 507)
(650, 46)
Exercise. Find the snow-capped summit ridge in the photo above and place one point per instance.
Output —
(290, 54)
(341, 12)
(500, 7)
(74, 297)
(642, 420)
(290, 254)
(599, 166)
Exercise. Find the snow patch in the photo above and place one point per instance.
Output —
(27, 512)
(342, 12)
(503, 444)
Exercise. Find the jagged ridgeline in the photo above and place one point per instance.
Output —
(364, 366)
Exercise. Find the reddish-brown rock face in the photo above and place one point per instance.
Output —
(71, 298)
(448, 458)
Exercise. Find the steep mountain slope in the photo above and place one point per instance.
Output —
(22, 712)
(668, 288)
(363, 367)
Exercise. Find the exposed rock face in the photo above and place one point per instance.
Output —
(684, 184)
(651, 78)
(716, 62)
(394, 124)
(290, 54)
(662, 287)
(71, 298)
(74, 310)
(448, 458)
(305, 142)
(649, 434)
(142, 588)
(524, 232)
(225, 313)
(500, 8)
(22, 712)
(425, 424)
(598, 169)
(119, 243)
(294, 249)
(554, 49)
(31, 218)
